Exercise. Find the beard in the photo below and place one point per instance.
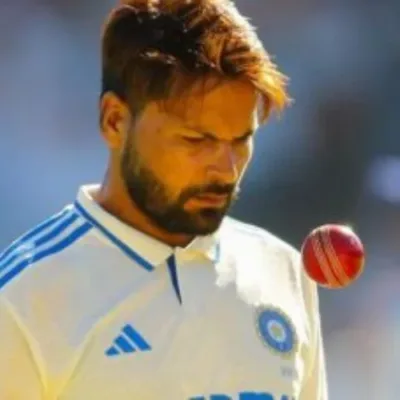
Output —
(152, 197)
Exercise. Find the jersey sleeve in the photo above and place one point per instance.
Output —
(19, 375)
(315, 385)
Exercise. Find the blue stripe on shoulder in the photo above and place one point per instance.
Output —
(122, 246)
(39, 241)
(35, 231)
(61, 245)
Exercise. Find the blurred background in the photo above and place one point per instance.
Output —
(333, 157)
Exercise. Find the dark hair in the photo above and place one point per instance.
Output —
(154, 48)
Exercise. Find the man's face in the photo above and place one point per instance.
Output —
(182, 164)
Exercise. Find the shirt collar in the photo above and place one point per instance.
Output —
(144, 249)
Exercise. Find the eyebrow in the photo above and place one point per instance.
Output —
(213, 136)
(244, 136)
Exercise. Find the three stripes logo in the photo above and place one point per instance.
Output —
(129, 341)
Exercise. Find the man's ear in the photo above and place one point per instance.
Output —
(114, 120)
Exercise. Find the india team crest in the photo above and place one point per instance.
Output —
(276, 331)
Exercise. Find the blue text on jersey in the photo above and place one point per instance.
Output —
(244, 396)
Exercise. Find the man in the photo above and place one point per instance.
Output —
(143, 289)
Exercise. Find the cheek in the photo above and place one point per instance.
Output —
(244, 156)
(175, 169)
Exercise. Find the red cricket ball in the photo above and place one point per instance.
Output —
(333, 256)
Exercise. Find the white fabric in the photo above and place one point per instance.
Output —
(61, 314)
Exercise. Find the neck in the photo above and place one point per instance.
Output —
(114, 198)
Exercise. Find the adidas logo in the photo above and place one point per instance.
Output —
(128, 341)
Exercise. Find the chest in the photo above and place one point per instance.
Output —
(213, 343)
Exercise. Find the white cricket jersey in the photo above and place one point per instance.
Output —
(91, 309)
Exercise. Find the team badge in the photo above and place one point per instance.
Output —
(276, 331)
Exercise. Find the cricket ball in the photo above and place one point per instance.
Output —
(333, 256)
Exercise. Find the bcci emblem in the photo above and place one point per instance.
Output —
(276, 331)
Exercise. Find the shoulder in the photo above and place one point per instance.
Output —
(266, 256)
(245, 235)
(47, 240)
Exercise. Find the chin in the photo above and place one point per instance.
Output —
(208, 221)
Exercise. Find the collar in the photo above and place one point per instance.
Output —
(142, 248)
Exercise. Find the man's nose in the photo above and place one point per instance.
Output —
(223, 167)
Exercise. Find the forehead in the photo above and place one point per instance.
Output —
(230, 107)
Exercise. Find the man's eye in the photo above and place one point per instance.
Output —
(243, 139)
(193, 139)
